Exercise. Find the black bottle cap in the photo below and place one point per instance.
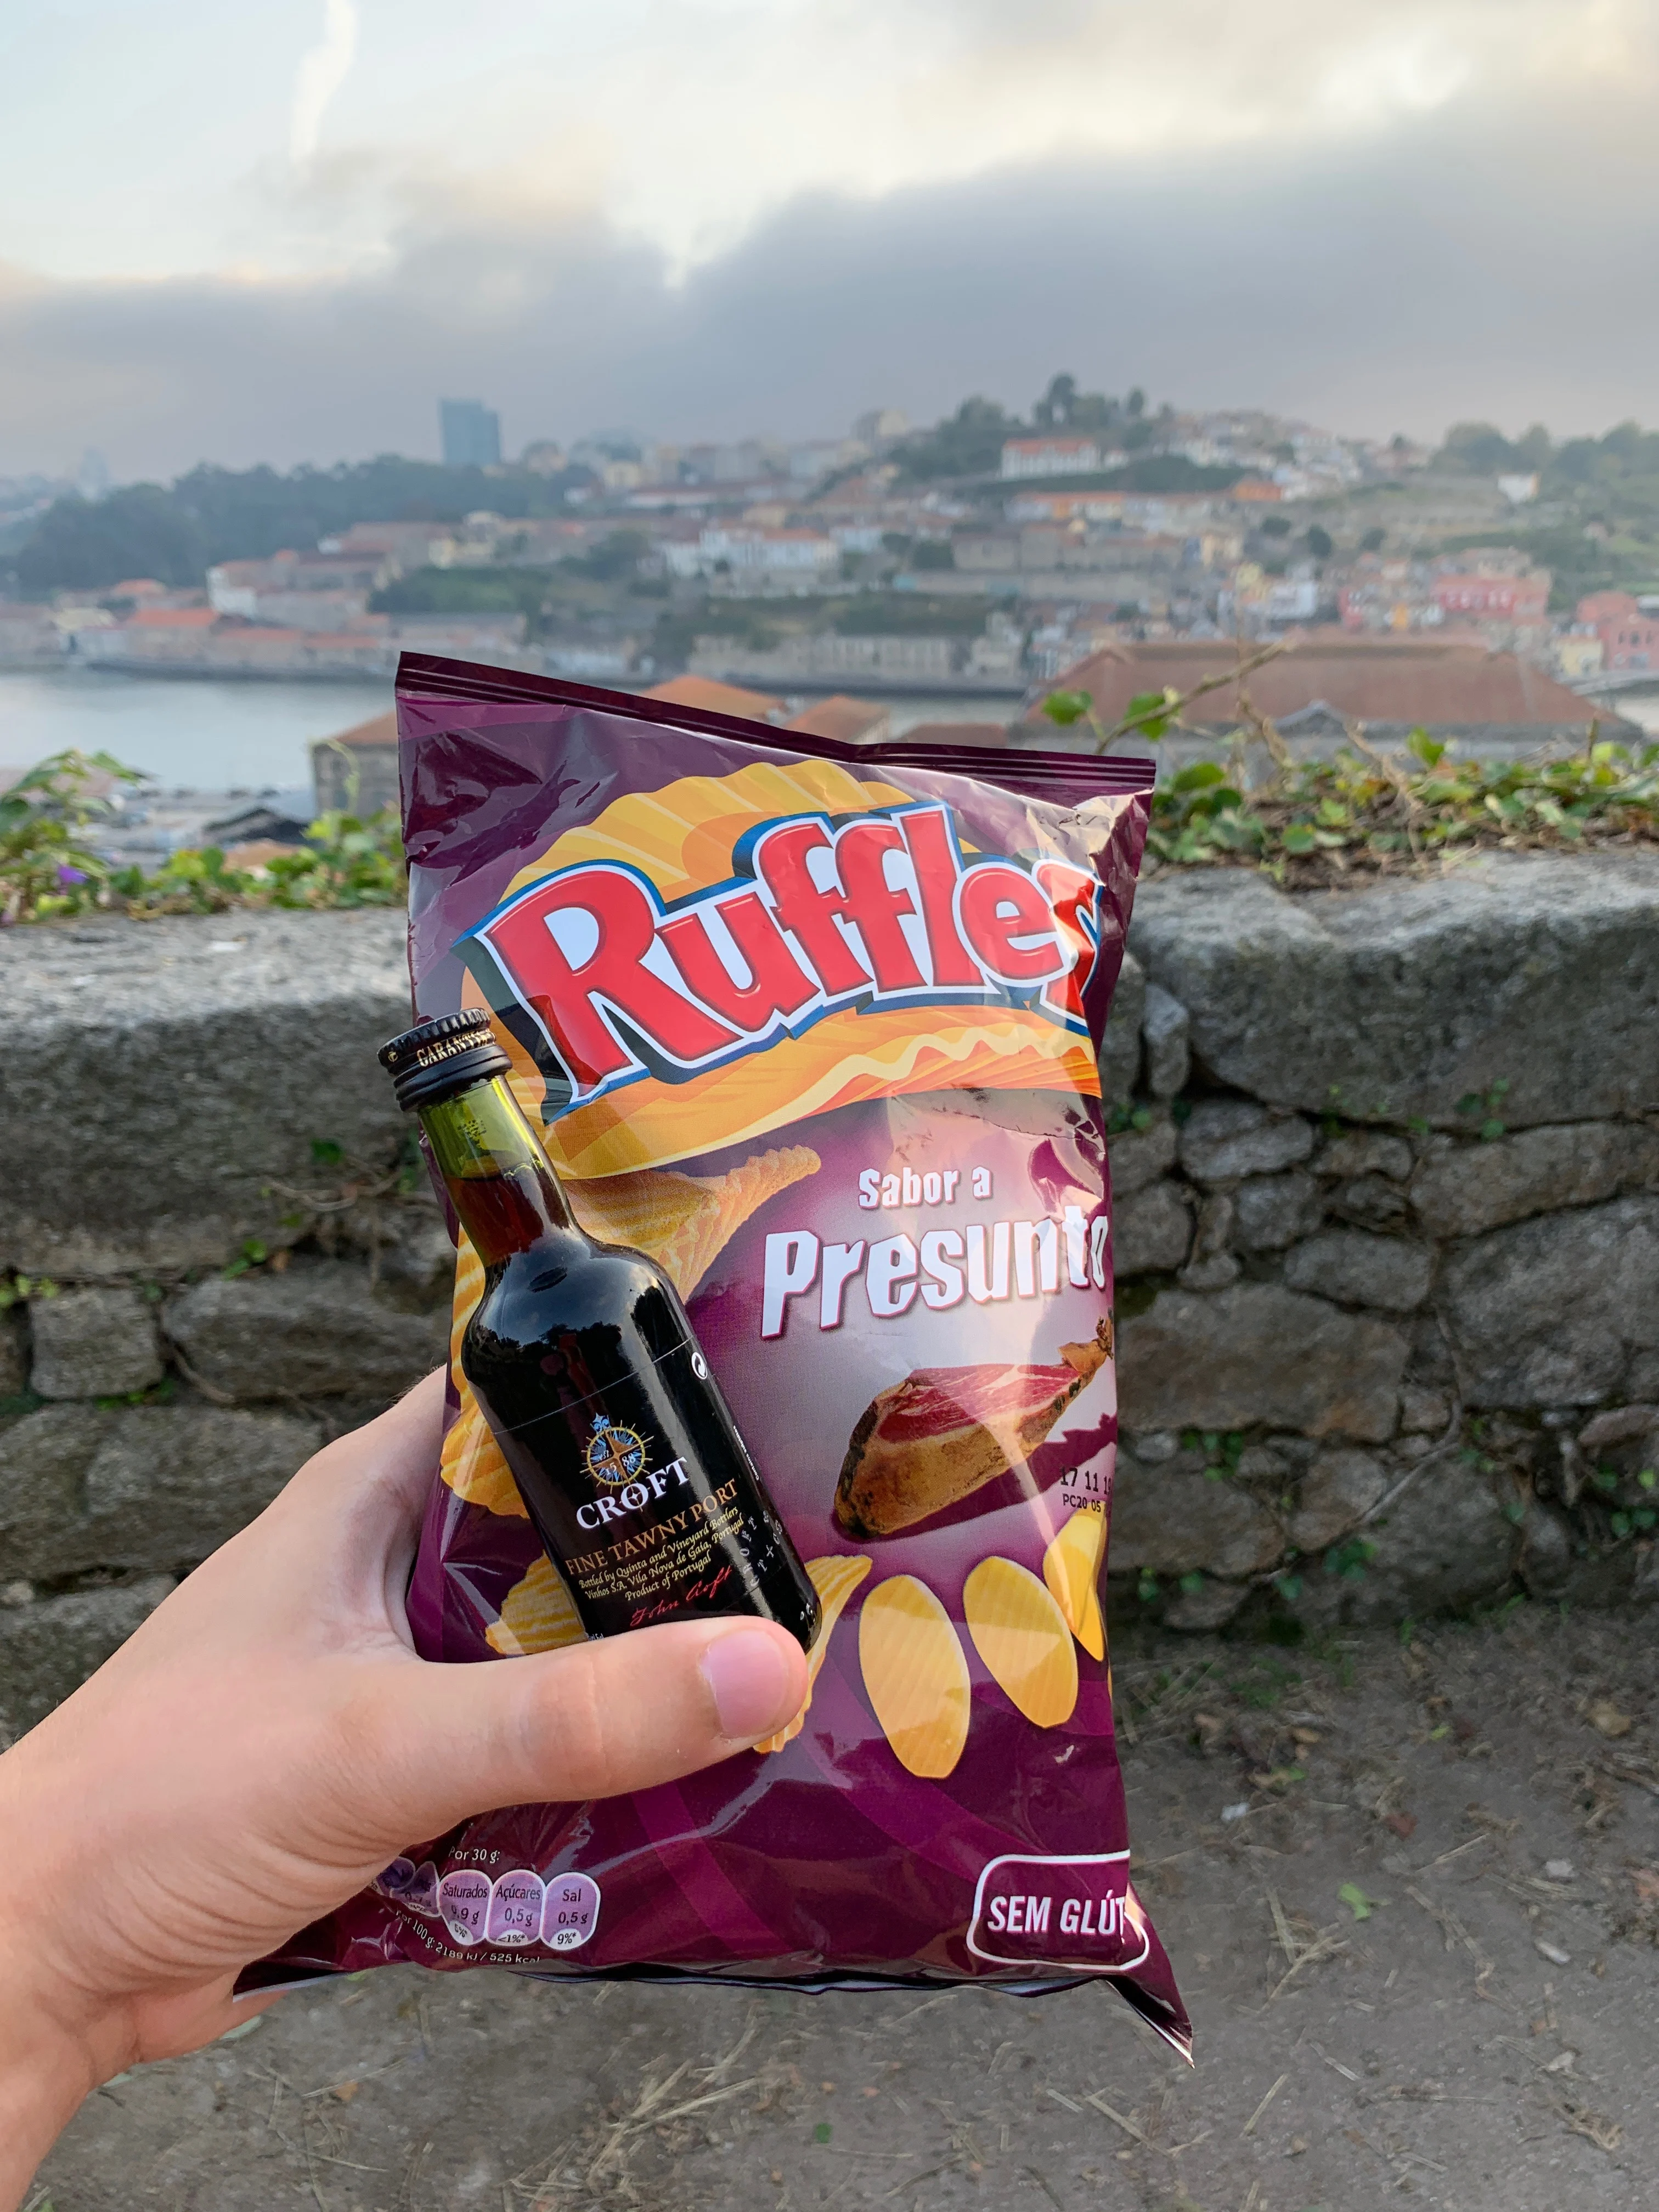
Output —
(436, 1059)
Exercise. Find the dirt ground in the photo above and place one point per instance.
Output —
(1412, 1893)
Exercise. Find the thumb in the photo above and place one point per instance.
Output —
(595, 1720)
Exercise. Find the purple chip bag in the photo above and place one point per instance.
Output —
(816, 1028)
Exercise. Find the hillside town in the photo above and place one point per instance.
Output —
(980, 562)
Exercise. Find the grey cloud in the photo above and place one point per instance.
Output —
(1443, 271)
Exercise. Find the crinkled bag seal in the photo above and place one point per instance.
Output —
(816, 1027)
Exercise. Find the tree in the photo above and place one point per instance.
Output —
(1136, 402)
(1054, 411)
(1372, 541)
(139, 531)
(966, 444)
(1320, 543)
(1479, 448)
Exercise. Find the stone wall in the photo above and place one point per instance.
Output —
(1387, 1233)
(1378, 1354)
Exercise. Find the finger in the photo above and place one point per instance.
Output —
(391, 1459)
(595, 1720)
(360, 1500)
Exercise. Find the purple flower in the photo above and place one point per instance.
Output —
(66, 875)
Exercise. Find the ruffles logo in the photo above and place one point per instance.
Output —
(606, 982)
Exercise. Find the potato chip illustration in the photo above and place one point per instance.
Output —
(470, 1462)
(538, 1615)
(915, 1674)
(1023, 1639)
(835, 1579)
(684, 1222)
(1071, 1567)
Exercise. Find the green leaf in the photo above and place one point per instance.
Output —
(1649, 1478)
(1423, 747)
(1299, 838)
(1065, 708)
(1191, 1583)
(327, 1152)
(1147, 713)
(1198, 776)
(1490, 1130)
(821, 2133)
(1357, 1903)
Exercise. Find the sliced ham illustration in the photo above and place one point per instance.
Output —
(926, 1443)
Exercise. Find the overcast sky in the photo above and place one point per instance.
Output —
(280, 231)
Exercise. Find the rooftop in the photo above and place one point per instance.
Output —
(713, 698)
(379, 729)
(848, 721)
(1440, 681)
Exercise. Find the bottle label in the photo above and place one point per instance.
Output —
(647, 1517)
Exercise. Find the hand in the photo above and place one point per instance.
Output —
(268, 1742)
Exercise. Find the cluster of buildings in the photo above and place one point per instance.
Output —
(875, 578)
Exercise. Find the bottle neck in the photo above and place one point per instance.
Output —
(497, 1173)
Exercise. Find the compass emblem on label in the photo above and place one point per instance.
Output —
(614, 1456)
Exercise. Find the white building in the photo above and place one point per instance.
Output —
(787, 556)
(1050, 457)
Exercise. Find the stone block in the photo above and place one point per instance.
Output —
(1226, 1139)
(1556, 1563)
(13, 1352)
(416, 1261)
(49, 1648)
(1211, 1272)
(1424, 1412)
(1556, 1312)
(93, 1344)
(1271, 1212)
(1174, 1520)
(1200, 1612)
(155, 1090)
(1259, 1354)
(1139, 1157)
(1444, 1544)
(315, 1331)
(1120, 1050)
(1365, 1152)
(1465, 1189)
(1164, 1033)
(150, 1487)
(1151, 1230)
(1358, 1269)
(1336, 1493)
(1393, 1002)
(1216, 1217)
(1371, 1201)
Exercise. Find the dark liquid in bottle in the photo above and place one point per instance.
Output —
(584, 1365)
(630, 1464)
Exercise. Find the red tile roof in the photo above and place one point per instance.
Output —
(173, 618)
(703, 691)
(850, 721)
(1442, 681)
(379, 729)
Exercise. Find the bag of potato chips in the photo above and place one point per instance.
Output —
(815, 1026)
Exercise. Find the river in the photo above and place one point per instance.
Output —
(191, 734)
